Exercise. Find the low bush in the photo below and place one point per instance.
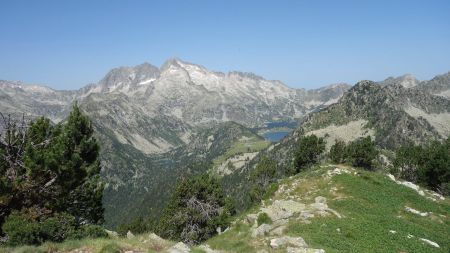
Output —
(261, 178)
(197, 207)
(137, 226)
(359, 153)
(428, 165)
(362, 152)
(57, 228)
(88, 231)
(263, 218)
(22, 230)
(308, 152)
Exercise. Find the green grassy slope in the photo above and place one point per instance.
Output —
(371, 206)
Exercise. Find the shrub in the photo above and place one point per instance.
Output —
(271, 189)
(88, 231)
(21, 230)
(428, 165)
(55, 168)
(407, 160)
(196, 209)
(261, 177)
(308, 152)
(57, 228)
(434, 169)
(263, 218)
(338, 152)
(362, 152)
(137, 226)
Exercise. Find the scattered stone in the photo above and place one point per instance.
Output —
(155, 237)
(409, 236)
(304, 250)
(208, 249)
(283, 209)
(320, 207)
(338, 230)
(278, 231)
(407, 184)
(430, 242)
(262, 251)
(336, 171)
(320, 199)
(179, 248)
(251, 218)
(130, 235)
(437, 195)
(392, 231)
(281, 222)
(414, 211)
(304, 215)
(284, 241)
(413, 186)
(261, 230)
(112, 234)
(334, 212)
(390, 176)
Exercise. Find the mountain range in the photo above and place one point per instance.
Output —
(159, 124)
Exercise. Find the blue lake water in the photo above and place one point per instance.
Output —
(275, 136)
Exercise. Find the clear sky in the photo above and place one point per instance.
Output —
(67, 44)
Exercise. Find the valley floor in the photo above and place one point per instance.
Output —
(330, 208)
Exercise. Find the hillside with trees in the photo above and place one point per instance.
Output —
(49, 180)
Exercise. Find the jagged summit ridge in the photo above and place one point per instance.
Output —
(407, 81)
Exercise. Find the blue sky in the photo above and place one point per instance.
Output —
(67, 44)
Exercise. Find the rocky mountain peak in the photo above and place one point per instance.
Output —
(172, 62)
(364, 87)
(439, 85)
(407, 81)
(123, 79)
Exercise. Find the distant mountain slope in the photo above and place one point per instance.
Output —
(393, 113)
(157, 124)
(139, 184)
(439, 85)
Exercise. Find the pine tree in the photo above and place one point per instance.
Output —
(261, 177)
(337, 152)
(78, 155)
(49, 169)
(362, 152)
(308, 152)
(196, 209)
